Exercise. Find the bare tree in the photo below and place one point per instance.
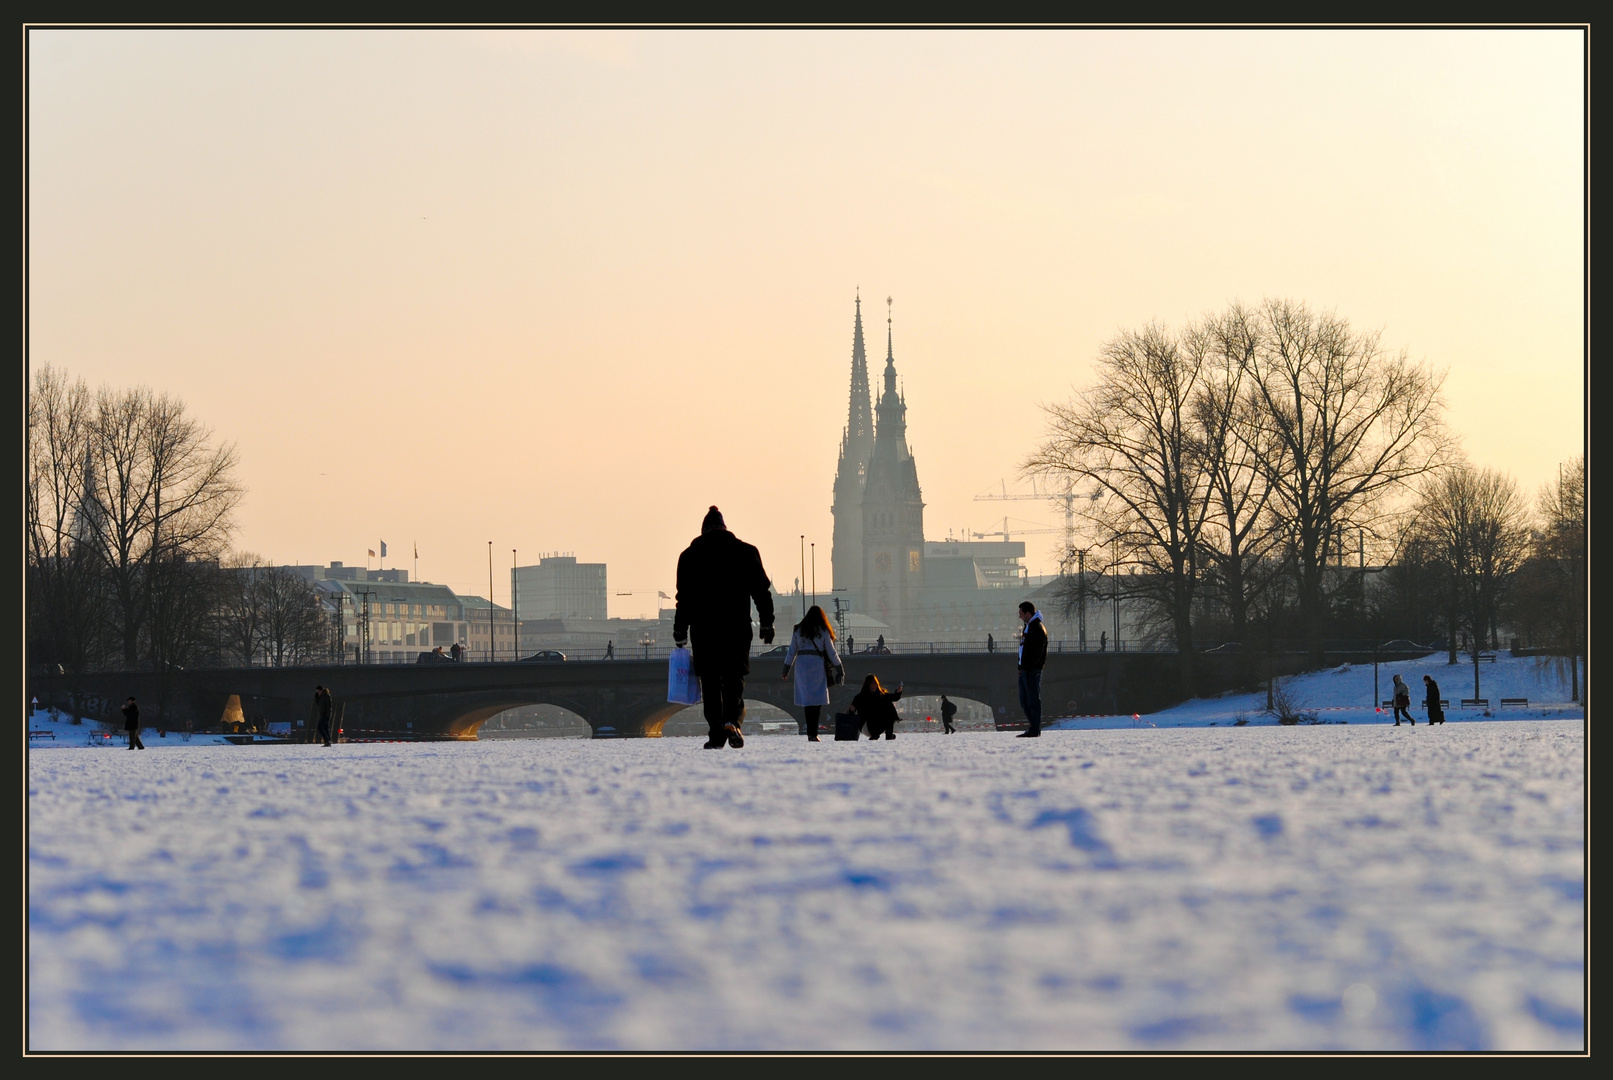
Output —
(1550, 603)
(1477, 528)
(164, 493)
(1347, 425)
(294, 626)
(1135, 437)
(65, 598)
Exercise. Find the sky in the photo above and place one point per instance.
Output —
(562, 290)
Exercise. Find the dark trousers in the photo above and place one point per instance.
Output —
(1030, 698)
(813, 712)
(134, 739)
(946, 722)
(722, 695)
(324, 730)
(1404, 710)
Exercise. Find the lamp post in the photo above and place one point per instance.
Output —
(1116, 571)
(800, 586)
(814, 573)
(490, 601)
(515, 604)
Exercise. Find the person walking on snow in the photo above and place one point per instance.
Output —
(1436, 711)
(131, 723)
(948, 711)
(1402, 702)
(322, 704)
(719, 577)
(813, 639)
(1032, 658)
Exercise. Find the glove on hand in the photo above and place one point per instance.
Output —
(767, 635)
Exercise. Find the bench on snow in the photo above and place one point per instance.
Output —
(51, 735)
(1484, 657)
(1475, 703)
(1515, 701)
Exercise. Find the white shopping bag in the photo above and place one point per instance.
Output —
(682, 685)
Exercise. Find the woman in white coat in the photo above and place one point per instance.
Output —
(812, 656)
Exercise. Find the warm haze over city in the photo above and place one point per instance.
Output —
(562, 290)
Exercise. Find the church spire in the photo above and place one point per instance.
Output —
(890, 353)
(860, 420)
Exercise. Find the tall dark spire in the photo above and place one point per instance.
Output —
(856, 449)
(859, 420)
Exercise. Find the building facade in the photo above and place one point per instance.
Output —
(559, 587)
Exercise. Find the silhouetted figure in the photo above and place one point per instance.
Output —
(131, 723)
(719, 577)
(1032, 658)
(456, 651)
(1103, 641)
(851, 645)
(322, 710)
(816, 664)
(1436, 711)
(876, 707)
(948, 711)
(1402, 702)
(991, 644)
(879, 646)
(610, 650)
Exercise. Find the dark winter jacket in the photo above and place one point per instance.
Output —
(131, 717)
(1432, 699)
(322, 699)
(877, 710)
(1033, 646)
(949, 709)
(719, 577)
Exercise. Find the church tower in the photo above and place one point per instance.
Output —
(856, 448)
(892, 509)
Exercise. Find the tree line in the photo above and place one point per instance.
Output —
(1236, 467)
(129, 516)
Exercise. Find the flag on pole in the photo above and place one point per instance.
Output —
(370, 552)
(383, 549)
(417, 550)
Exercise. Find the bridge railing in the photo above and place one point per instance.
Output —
(760, 651)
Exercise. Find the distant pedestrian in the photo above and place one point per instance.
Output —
(322, 710)
(879, 646)
(131, 723)
(851, 644)
(1402, 702)
(876, 708)
(816, 665)
(991, 644)
(1436, 711)
(610, 650)
(455, 651)
(1032, 657)
(719, 577)
(1103, 641)
(948, 711)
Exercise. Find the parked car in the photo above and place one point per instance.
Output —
(1439, 644)
(1402, 645)
(777, 650)
(438, 657)
(544, 656)
(1229, 647)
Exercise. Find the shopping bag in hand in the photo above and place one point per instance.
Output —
(682, 685)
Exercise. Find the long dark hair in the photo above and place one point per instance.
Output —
(815, 624)
(871, 685)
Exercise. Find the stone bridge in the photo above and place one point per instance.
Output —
(617, 698)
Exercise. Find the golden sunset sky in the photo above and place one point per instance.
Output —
(563, 290)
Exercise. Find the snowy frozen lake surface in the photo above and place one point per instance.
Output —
(1314, 887)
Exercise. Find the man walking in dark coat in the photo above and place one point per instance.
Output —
(1436, 711)
(322, 704)
(719, 577)
(1032, 658)
(131, 723)
(948, 711)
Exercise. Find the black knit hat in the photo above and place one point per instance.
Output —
(713, 520)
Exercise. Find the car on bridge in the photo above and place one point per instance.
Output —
(543, 656)
(777, 650)
(1403, 645)
(1228, 647)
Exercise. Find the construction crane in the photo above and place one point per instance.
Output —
(1065, 496)
(1005, 531)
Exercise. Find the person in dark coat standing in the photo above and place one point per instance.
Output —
(131, 723)
(322, 707)
(1032, 658)
(948, 711)
(719, 577)
(1402, 702)
(876, 707)
(1436, 711)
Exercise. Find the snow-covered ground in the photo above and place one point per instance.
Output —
(1314, 887)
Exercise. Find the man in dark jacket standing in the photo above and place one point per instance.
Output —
(131, 723)
(1032, 657)
(719, 576)
(948, 711)
(322, 704)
